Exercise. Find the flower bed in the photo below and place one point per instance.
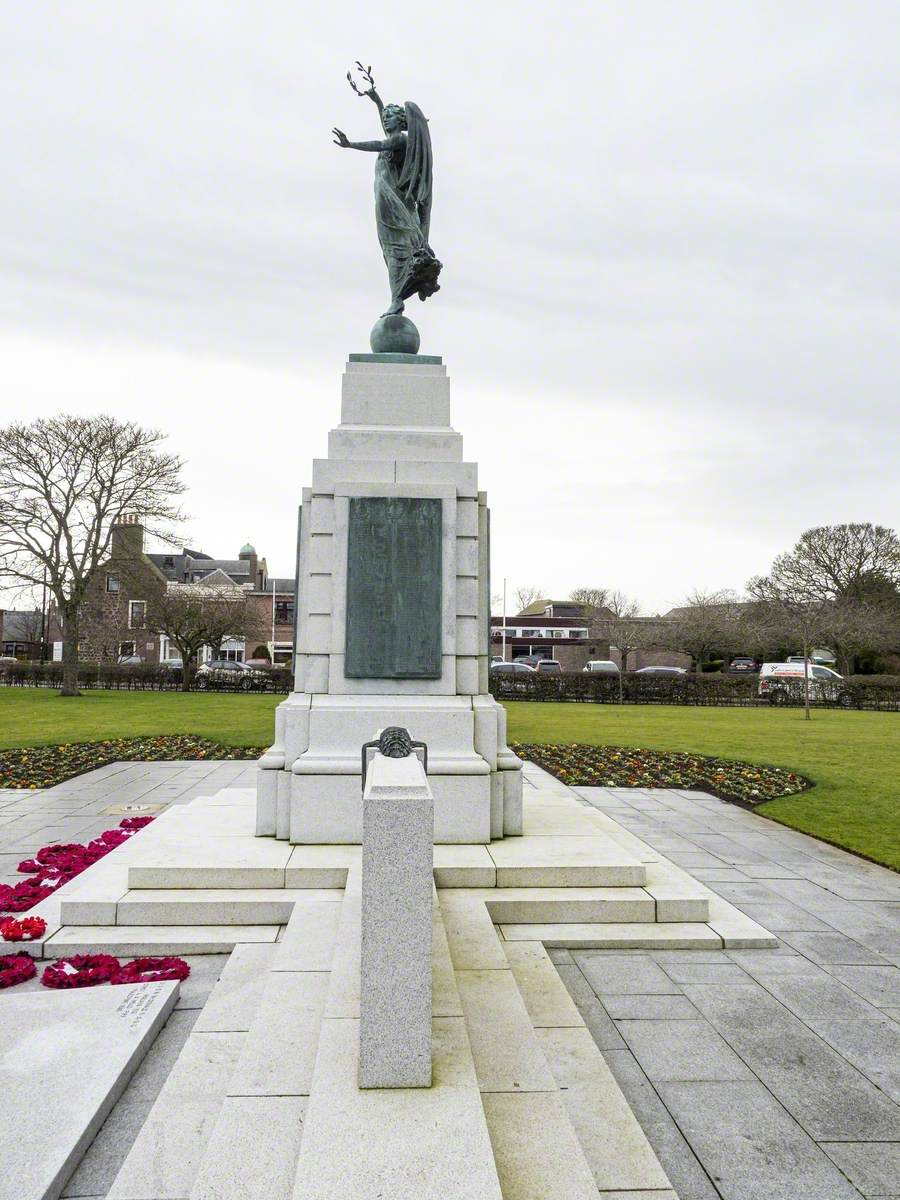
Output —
(624, 767)
(45, 766)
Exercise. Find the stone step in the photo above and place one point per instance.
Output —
(155, 940)
(671, 935)
(406, 1143)
(252, 1151)
(166, 1157)
(194, 906)
(517, 906)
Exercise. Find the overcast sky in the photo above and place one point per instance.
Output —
(671, 286)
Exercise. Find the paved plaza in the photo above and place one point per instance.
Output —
(753, 1073)
(757, 1073)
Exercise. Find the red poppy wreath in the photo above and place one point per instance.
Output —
(81, 970)
(152, 970)
(16, 968)
(25, 930)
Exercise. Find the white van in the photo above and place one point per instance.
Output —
(601, 666)
(783, 683)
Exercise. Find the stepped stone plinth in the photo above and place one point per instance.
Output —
(393, 619)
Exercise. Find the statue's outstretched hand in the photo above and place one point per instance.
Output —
(341, 139)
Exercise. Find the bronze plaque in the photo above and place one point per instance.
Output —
(393, 588)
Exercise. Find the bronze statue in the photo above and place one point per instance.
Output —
(403, 173)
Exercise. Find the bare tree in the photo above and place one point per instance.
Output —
(591, 597)
(619, 623)
(527, 595)
(194, 615)
(708, 621)
(64, 482)
(848, 575)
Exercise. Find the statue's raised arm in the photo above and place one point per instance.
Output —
(403, 192)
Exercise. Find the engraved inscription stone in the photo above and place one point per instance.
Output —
(393, 588)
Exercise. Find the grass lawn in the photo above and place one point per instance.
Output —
(852, 757)
(40, 716)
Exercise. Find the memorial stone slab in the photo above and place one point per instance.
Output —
(65, 1058)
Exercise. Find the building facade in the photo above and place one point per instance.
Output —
(115, 624)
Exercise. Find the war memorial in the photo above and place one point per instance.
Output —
(389, 1022)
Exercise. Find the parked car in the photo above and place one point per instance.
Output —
(223, 673)
(662, 671)
(548, 666)
(601, 666)
(129, 660)
(511, 668)
(743, 666)
(530, 660)
(784, 683)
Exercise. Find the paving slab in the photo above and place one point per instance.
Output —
(751, 1148)
(873, 1047)
(682, 1050)
(826, 1095)
(47, 1040)
(873, 1167)
(625, 975)
(880, 985)
(831, 947)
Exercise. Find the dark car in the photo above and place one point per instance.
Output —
(223, 673)
(743, 666)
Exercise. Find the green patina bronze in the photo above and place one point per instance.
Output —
(394, 588)
(403, 187)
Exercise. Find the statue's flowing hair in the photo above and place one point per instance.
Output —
(415, 178)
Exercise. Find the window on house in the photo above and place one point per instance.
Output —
(557, 633)
(284, 612)
(137, 613)
(126, 649)
(112, 583)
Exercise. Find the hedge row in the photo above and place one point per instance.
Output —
(864, 691)
(120, 676)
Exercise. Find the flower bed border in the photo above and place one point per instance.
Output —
(612, 759)
(30, 767)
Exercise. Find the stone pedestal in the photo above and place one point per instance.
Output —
(394, 441)
(396, 951)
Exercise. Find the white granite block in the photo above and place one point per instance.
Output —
(505, 1051)
(394, 445)
(252, 1153)
(467, 556)
(396, 963)
(535, 1149)
(407, 1144)
(467, 518)
(65, 1058)
(321, 514)
(466, 676)
(319, 594)
(309, 939)
(462, 475)
(329, 472)
(512, 802)
(471, 935)
(279, 1053)
(615, 1146)
(283, 805)
(266, 792)
(496, 804)
(467, 635)
(466, 596)
(238, 992)
(463, 866)
(321, 554)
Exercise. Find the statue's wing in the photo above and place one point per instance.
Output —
(415, 178)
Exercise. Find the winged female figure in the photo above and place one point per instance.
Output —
(403, 174)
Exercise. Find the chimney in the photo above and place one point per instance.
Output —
(128, 537)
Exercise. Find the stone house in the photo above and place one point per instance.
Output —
(115, 611)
